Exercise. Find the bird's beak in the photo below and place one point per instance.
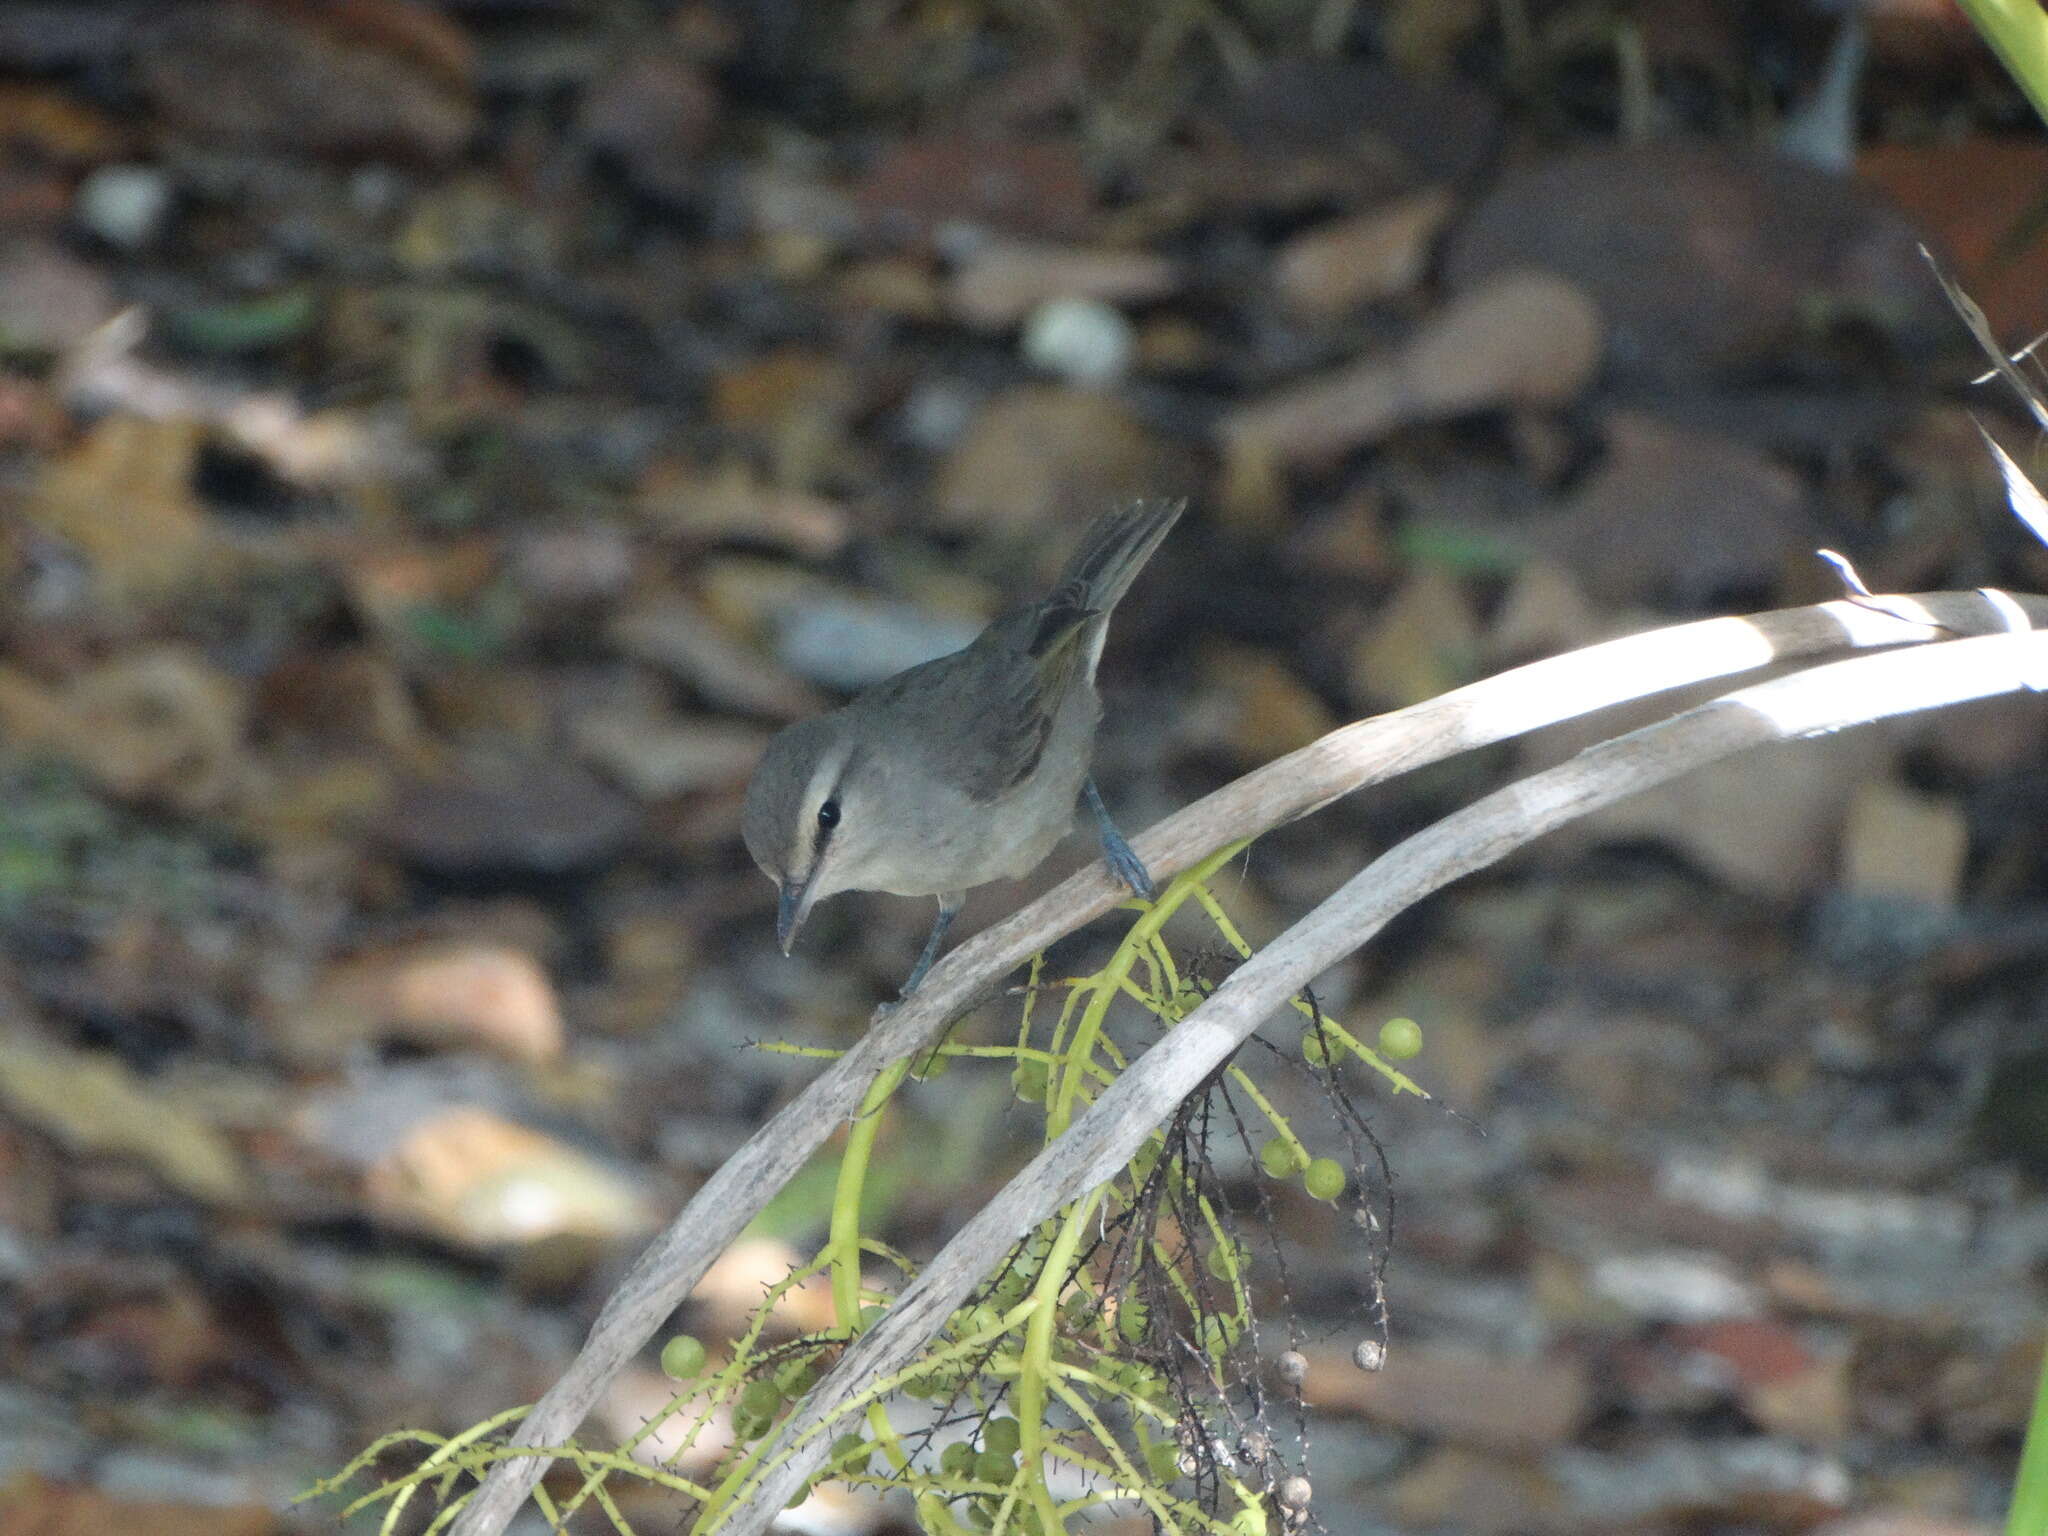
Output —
(792, 909)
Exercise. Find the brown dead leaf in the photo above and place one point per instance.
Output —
(161, 1329)
(102, 374)
(124, 498)
(1422, 644)
(1379, 254)
(1319, 417)
(480, 1181)
(1261, 708)
(732, 502)
(676, 634)
(1037, 456)
(1520, 338)
(1544, 613)
(1525, 339)
(1349, 539)
(31, 422)
(451, 994)
(93, 1104)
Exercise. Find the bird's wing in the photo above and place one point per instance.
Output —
(1032, 656)
(1008, 695)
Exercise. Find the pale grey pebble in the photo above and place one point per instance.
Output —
(124, 205)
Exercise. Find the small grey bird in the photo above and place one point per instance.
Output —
(963, 770)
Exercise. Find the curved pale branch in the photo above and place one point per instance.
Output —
(1350, 758)
(1109, 1133)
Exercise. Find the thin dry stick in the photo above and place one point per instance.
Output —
(1104, 1139)
(1356, 755)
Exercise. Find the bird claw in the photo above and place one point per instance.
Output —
(1116, 853)
(1128, 867)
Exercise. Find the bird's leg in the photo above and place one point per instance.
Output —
(1126, 865)
(949, 904)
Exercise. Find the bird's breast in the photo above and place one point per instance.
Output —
(946, 841)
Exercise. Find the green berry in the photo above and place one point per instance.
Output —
(956, 1459)
(869, 1316)
(761, 1398)
(794, 1378)
(1315, 1050)
(1227, 1259)
(990, 1467)
(1028, 1080)
(748, 1426)
(850, 1453)
(1162, 1460)
(937, 1064)
(683, 1357)
(1277, 1158)
(1400, 1039)
(1003, 1436)
(1324, 1179)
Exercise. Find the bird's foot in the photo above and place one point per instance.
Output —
(1128, 867)
(1123, 862)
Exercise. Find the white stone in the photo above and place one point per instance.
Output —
(123, 204)
(1084, 341)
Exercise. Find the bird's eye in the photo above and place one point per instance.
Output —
(828, 814)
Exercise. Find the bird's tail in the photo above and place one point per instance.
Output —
(1114, 550)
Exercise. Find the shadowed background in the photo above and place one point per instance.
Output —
(439, 444)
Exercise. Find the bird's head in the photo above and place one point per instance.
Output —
(812, 819)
